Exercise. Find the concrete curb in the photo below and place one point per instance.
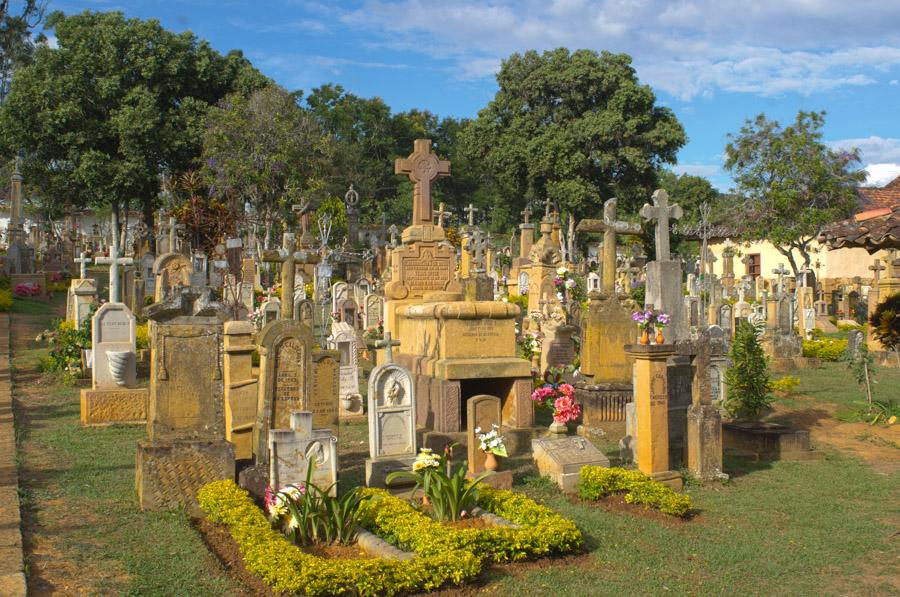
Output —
(12, 563)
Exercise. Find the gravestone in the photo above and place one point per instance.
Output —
(171, 271)
(854, 339)
(293, 450)
(593, 282)
(340, 292)
(374, 310)
(82, 296)
(558, 347)
(185, 447)
(726, 319)
(345, 341)
(241, 387)
(482, 412)
(561, 459)
(271, 310)
(324, 400)
(113, 397)
(303, 312)
(392, 423)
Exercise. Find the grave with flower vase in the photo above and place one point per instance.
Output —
(454, 349)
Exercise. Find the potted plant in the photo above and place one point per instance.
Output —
(493, 445)
(560, 398)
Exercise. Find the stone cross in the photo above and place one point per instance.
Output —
(877, 268)
(781, 272)
(83, 261)
(804, 272)
(548, 204)
(441, 215)
(302, 209)
(388, 344)
(15, 209)
(114, 262)
(526, 213)
(610, 227)
(471, 209)
(661, 211)
(288, 260)
(478, 244)
(173, 228)
(422, 167)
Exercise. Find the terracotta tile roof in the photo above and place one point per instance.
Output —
(872, 230)
(886, 196)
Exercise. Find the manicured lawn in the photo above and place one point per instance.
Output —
(835, 383)
(815, 528)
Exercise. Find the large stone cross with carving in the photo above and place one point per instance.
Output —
(661, 211)
(610, 227)
(422, 167)
(288, 258)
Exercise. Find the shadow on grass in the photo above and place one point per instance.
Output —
(736, 466)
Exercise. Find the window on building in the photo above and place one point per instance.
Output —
(754, 265)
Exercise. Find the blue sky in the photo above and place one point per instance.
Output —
(715, 63)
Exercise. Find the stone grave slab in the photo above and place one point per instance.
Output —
(561, 459)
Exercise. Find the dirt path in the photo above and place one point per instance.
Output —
(877, 445)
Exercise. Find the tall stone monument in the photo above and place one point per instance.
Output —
(664, 276)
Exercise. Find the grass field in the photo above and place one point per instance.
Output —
(826, 527)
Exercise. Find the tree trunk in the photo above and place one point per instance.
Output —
(571, 237)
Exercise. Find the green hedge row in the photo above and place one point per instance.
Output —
(597, 482)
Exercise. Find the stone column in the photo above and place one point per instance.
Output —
(651, 398)
(704, 423)
(525, 240)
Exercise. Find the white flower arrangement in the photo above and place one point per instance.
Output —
(491, 441)
(426, 458)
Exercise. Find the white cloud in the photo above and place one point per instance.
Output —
(878, 175)
(873, 150)
(687, 48)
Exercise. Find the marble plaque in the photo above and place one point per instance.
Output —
(392, 413)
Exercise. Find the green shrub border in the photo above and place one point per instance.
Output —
(284, 567)
(541, 532)
(597, 482)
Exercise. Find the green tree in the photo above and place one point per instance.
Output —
(264, 149)
(790, 183)
(748, 377)
(119, 103)
(16, 43)
(576, 127)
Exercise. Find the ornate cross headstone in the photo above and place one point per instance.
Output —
(661, 211)
(610, 228)
(478, 244)
(173, 228)
(114, 261)
(422, 167)
(781, 272)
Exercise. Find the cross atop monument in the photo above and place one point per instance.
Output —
(114, 261)
(173, 228)
(804, 273)
(478, 244)
(471, 209)
(781, 272)
(83, 261)
(526, 214)
(661, 211)
(441, 214)
(288, 258)
(548, 203)
(422, 167)
(877, 268)
(388, 344)
(610, 227)
(394, 231)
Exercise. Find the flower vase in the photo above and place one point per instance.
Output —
(490, 462)
(559, 428)
(425, 501)
(645, 336)
(659, 336)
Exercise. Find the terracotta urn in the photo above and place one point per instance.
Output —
(659, 336)
(645, 336)
(490, 462)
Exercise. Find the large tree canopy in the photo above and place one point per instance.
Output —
(576, 127)
(116, 105)
(16, 43)
(267, 151)
(790, 183)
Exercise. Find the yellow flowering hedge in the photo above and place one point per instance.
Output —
(542, 531)
(597, 482)
(285, 568)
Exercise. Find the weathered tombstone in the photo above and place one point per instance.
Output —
(340, 292)
(561, 459)
(593, 282)
(726, 319)
(82, 296)
(304, 312)
(113, 397)
(293, 450)
(185, 447)
(345, 341)
(704, 423)
(374, 310)
(482, 412)
(324, 399)
(241, 388)
(392, 422)
(523, 283)
(348, 311)
(172, 271)
(854, 339)
(558, 347)
(271, 310)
